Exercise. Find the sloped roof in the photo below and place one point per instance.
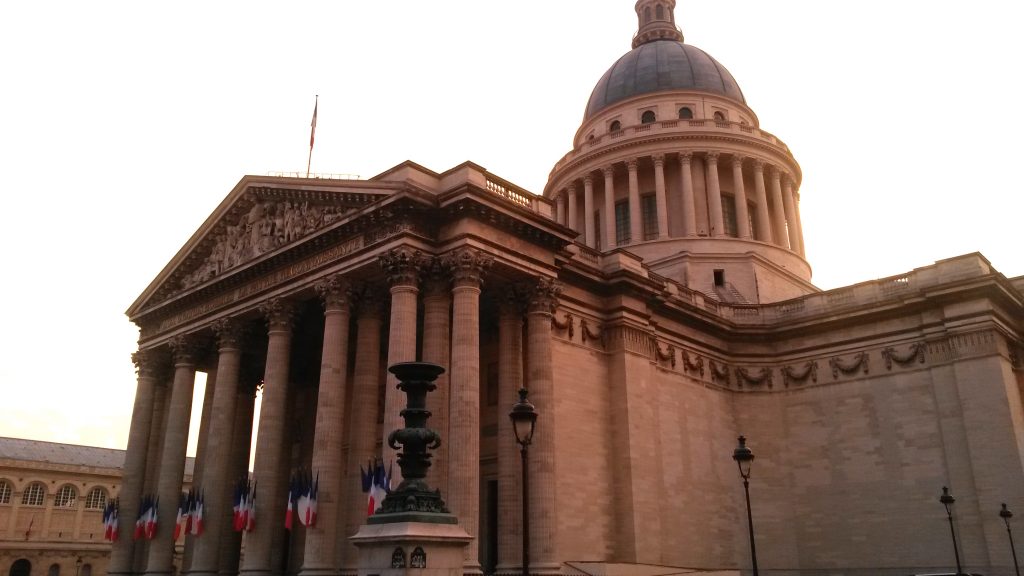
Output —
(68, 454)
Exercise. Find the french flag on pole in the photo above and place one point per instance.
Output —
(292, 496)
(110, 527)
(306, 503)
(140, 522)
(197, 515)
(377, 485)
(151, 518)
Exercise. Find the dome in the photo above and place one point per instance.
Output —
(658, 66)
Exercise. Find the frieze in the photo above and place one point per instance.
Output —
(719, 372)
(960, 346)
(859, 361)
(668, 355)
(696, 365)
(763, 376)
(565, 324)
(801, 374)
(590, 333)
(916, 352)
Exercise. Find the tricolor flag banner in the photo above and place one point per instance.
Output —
(197, 515)
(377, 485)
(179, 519)
(310, 515)
(140, 523)
(239, 505)
(305, 505)
(250, 511)
(110, 527)
(151, 519)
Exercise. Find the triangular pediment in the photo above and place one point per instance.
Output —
(261, 216)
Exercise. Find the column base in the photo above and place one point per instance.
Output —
(319, 571)
(412, 548)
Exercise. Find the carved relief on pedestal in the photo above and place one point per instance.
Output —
(267, 226)
(403, 265)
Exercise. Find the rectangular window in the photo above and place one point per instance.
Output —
(622, 223)
(729, 215)
(649, 209)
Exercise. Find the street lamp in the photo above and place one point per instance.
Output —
(1005, 514)
(947, 501)
(524, 419)
(744, 458)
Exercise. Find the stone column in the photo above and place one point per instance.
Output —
(573, 221)
(319, 557)
(271, 488)
(636, 223)
(793, 227)
(467, 266)
(589, 235)
(778, 214)
(437, 308)
(402, 267)
(740, 194)
(689, 203)
(161, 400)
(217, 482)
(610, 241)
(510, 380)
(714, 196)
(149, 365)
(560, 209)
(659, 195)
(799, 223)
(241, 445)
(363, 430)
(172, 455)
(540, 380)
(764, 226)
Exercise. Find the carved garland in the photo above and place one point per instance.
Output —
(764, 376)
(800, 375)
(693, 366)
(669, 353)
(858, 361)
(916, 351)
(566, 324)
(719, 372)
(591, 334)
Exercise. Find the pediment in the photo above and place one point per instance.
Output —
(259, 217)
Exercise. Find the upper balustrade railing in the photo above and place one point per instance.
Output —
(707, 126)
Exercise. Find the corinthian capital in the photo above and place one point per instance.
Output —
(543, 296)
(467, 266)
(685, 157)
(230, 333)
(149, 363)
(185, 349)
(280, 314)
(712, 157)
(403, 266)
(737, 160)
(436, 278)
(335, 292)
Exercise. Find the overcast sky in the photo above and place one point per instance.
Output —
(123, 124)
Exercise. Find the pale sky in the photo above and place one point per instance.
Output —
(123, 124)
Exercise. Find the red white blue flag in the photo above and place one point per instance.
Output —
(110, 527)
(376, 484)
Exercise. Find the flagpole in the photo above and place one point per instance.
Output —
(312, 134)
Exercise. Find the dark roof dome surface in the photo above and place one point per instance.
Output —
(662, 65)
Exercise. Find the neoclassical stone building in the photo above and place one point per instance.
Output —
(656, 302)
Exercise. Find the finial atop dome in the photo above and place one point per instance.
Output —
(657, 21)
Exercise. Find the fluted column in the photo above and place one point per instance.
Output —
(363, 430)
(216, 483)
(764, 225)
(636, 228)
(402, 266)
(740, 195)
(172, 455)
(660, 197)
(261, 558)
(778, 212)
(510, 379)
(437, 307)
(714, 195)
(589, 235)
(161, 399)
(320, 548)
(799, 223)
(573, 221)
(560, 209)
(241, 445)
(609, 208)
(149, 366)
(793, 227)
(540, 381)
(467, 267)
(689, 203)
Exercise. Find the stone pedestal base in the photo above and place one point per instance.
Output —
(411, 549)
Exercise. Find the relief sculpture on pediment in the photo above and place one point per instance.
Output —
(265, 227)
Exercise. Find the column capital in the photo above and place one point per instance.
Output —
(571, 187)
(185, 350)
(436, 278)
(149, 363)
(512, 300)
(788, 180)
(608, 171)
(685, 157)
(738, 159)
(659, 159)
(369, 301)
(403, 265)
(588, 179)
(335, 292)
(467, 265)
(712, 157)
(774, 172)
(758, 164)
(631, 164)
(543, 296)
(279, 313)
(230, 333)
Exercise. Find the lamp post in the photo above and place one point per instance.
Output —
(947, 501)
(1005, 514)
(744, 457)
(524, 419)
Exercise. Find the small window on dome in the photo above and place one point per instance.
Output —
(647, 14)
(615, 126)
(659, 12)
(647, 117)
(719, 117)
(590, 136)
(685, 113)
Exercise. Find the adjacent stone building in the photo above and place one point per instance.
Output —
(656, 302)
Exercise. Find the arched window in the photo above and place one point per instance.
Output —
(65, 497)
(54, 570)
(86, 570)
(659, 12)
(33, 495)
(647, 117)
(719, 117)
(21, 568)
(685, 113)
(96, 499)
(647, 14)
(5, 492)
(615, 126)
